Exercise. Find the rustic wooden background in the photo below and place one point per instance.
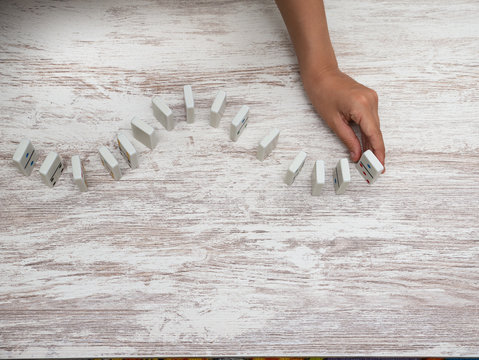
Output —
(203, 250)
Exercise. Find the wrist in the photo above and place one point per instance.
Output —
(314, 75)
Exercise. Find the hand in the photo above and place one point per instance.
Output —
(339, 100)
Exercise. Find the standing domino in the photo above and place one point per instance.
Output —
(78, 173)
(51, 169)
(369, 167)
(218, 109)
(239, 123)
(295, 168)
(267, 145)
(317, 178)
(25, 157)
(163, 113)
(341, 176)
(189, 104)
(144, 133)
(110, 163)
(127, 150)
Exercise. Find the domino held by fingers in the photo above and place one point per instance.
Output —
(127, 150)
(217, 108)
(78, 173)
(163, 113)
(239, 123)
(369, 167)
(295, 168)
(25, 157)
(267, 144)
(341, 176)
(110, 163)
(189, 104)
(51, 169)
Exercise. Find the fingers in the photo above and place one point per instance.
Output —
(366, 116)
(364, 142)
(348, 137)
(373, 139)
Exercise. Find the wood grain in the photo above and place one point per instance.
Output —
(203, 250)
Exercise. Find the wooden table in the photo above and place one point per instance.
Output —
(204, 250)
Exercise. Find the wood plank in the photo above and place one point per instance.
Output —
(203, 250)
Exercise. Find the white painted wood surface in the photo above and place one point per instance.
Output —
(204, 250)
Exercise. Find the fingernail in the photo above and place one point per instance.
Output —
(353, 155)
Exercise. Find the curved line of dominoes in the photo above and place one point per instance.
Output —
(53, 166)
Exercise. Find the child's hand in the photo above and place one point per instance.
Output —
(339, 99)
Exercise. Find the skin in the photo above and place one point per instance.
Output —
(338, 99)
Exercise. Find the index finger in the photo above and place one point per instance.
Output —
(369, 125)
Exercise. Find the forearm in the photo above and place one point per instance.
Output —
(338, 98)
(308, 29)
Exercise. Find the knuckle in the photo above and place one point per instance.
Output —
(366, 98)
(361, 99)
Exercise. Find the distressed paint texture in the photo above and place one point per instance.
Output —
(204, 250)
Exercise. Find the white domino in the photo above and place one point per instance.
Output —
(25, 157)
(341, 176)
(218, 109)
(239, 123)
(110, 163)
(144, 133)
(163, 113)
(369, 167)
(51, 169)
(78, 173)
(189, 104)
(295, 168)
(317, 178)
(127, 150)
(267, 145)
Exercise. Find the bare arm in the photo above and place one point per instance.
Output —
(338, 98)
